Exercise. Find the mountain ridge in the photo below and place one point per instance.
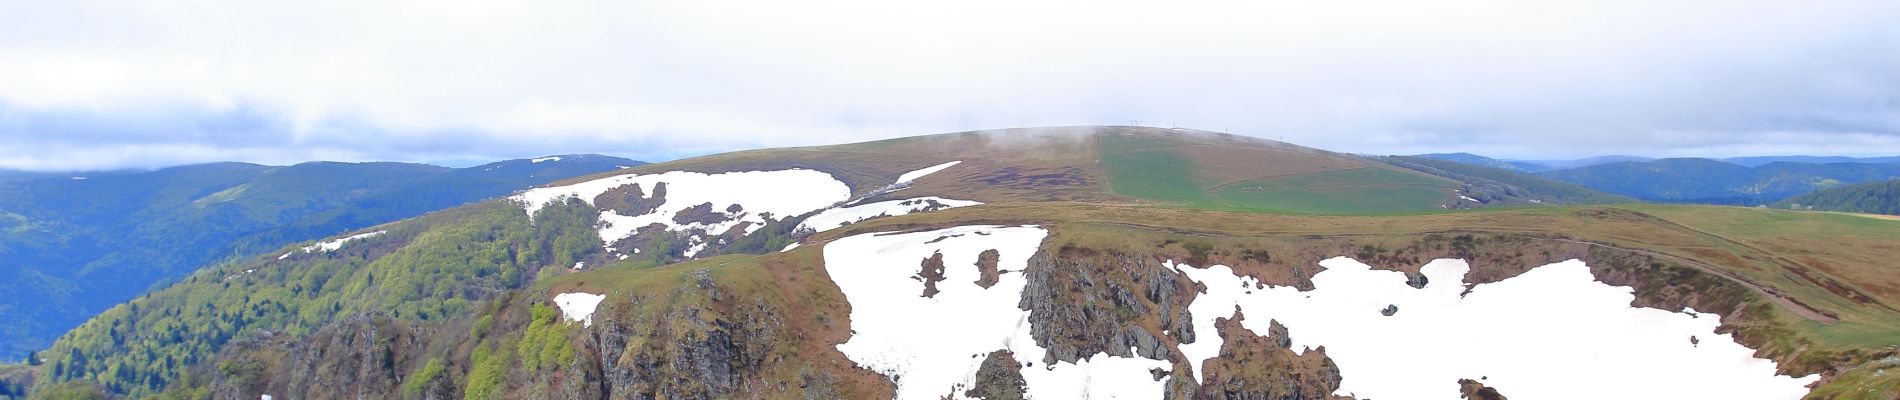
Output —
(474, 301)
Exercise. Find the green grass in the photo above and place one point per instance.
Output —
(1144, 168)
(1151, 169)
(1353, 191)
(1755, 222)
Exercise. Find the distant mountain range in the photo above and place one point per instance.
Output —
(73, 244)
(1735, 181)
(1759, 161)
(1504, 184)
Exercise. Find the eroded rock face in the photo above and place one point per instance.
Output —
(1088, 303)
(1252, 367)
(357, 357)
(704, 346)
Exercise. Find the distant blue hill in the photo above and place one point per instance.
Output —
(1699, 180)
(1745, 181)
(1482, 161)
(1582, 162)
(1759, 161)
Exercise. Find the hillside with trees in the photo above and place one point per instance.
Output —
(1871, 198)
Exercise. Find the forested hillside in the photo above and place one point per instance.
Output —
(1494, 185)
(1872, 198)
(1697, 180)
(73, 245)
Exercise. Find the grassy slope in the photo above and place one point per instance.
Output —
(1281, 179)
(1351, 191)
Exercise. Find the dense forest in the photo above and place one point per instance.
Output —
(443, 264)
(71, 248)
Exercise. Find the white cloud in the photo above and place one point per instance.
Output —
(421, 79)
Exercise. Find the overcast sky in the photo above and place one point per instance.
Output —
(107, 84)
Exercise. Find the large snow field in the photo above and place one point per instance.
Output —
(1554, 332)
(763, 196)
(578, 306)
(836, 217)
(933, 346)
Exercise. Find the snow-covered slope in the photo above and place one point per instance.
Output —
(744, 200)
(933, 346)
(1551, 333)
(836, 217)
(920, 316)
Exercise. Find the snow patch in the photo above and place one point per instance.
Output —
(1532, 336)
(903, 181)
(578, 306)
(789, 247)
(763, 197)
(333, 245)
(545, 159)
(914, 175)
(838, 217)
(934, 345)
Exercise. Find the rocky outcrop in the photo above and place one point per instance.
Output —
(999, 378)
(930, 272)
(631, 200)
(1085, 303)
(701, 214)
(358, 357)
(1470, 389)
(702, 344)
(1252, 367)
(986, 269)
